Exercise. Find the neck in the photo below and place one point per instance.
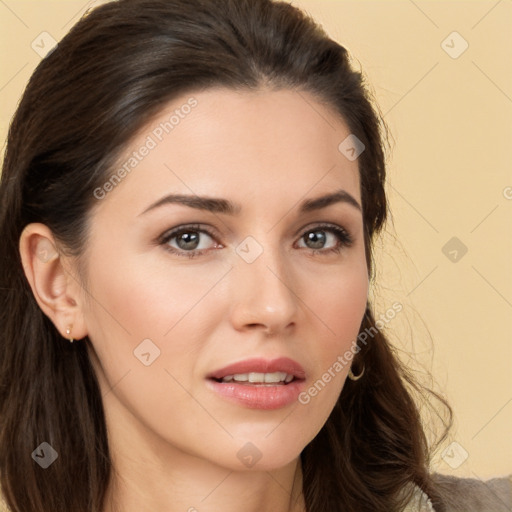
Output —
(195, 485)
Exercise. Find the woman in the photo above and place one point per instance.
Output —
(190, 194)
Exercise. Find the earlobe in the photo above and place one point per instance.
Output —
(54, 288)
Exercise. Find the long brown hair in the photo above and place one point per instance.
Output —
(115, 69)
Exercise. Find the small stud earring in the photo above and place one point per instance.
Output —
(68, 333)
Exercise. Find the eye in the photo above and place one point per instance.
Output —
(192, 240)
(323, 235)
(188, 240)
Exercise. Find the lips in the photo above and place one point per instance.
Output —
(259, 383)
(260, 366)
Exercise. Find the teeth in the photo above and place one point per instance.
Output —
(274, 377)
(256, 377)
(259, 378)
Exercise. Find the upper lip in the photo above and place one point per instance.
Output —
(261, 365)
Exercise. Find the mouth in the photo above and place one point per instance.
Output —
(259, 383)
(259, 371)
(259, 379)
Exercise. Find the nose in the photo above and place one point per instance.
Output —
(263, 296)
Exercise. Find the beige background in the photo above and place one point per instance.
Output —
(449, 176)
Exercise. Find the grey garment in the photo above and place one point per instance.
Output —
(473, 495)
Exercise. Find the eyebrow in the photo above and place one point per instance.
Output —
(218, 205)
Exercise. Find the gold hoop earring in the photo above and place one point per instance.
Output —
(68, 333)
(351, 376)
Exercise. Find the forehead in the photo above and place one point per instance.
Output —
(251, 146)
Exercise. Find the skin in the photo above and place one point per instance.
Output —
(174, 442)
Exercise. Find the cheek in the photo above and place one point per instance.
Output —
(144, 310)
(143, 320)
(148, 297)
(340, 302)
(346, 302)
(340, 305)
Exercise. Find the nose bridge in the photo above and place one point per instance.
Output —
(264, 285)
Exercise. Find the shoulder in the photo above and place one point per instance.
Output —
(419, 502)
(474, 495)
(465, 495)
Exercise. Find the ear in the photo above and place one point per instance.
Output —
(53, 282)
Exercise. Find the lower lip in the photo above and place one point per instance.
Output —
(261, 396)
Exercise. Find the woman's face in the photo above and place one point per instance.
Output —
(178, 291)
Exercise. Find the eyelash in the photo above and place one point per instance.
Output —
(344, 238)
